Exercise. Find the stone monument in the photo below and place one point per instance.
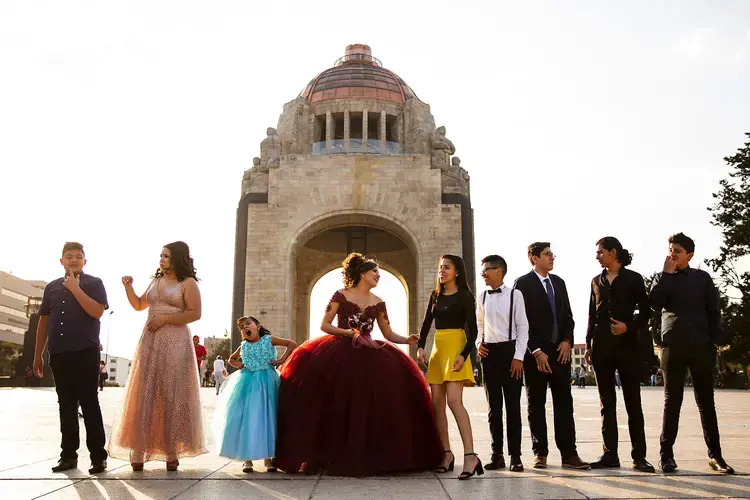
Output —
(355, 164)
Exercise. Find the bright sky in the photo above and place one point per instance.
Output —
(389, 289)
(126, 125)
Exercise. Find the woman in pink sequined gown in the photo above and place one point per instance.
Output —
(161, 415)
(350, 405)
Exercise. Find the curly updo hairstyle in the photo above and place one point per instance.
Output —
(355, 265)
(182, 263)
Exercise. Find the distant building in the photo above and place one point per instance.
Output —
(118, 369)
(17, 296)
(214, 345)
(578, 357)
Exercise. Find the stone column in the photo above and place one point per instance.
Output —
(382, 131)
(364, 128)
(346, 131)
(400, 133)
(329, 131)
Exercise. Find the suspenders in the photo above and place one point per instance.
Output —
(510, 318)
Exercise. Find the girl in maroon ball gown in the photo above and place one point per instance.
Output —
(350, 405)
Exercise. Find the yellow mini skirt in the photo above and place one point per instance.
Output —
(446, 348)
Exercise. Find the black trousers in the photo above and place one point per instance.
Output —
(76, 382)
(562, 401)
(499, 384)
(608, 356)
(675, 360)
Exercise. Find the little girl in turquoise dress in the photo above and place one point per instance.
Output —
(245, 418)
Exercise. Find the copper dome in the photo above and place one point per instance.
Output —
(357, 75)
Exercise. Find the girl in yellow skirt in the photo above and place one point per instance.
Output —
(453, 310)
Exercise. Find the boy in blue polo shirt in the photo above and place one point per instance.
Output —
(69, 327)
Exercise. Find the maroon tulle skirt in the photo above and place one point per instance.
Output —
(354, 411)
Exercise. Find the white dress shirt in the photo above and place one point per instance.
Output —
(544, 285)
(493, 318)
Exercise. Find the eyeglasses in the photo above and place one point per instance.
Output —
(549, 254)
(486, 269)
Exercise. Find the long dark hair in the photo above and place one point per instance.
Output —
(182, 263)
(461, 282)
(355, 265)
(262, 330)
(610, 242)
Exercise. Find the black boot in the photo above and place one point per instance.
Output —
(65, 464)
(668, 464)
(608, 460)
(98, 466)
(496, 462)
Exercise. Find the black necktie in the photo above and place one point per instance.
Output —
(498, 290)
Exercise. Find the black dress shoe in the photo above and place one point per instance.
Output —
(608, 460)
(65, 464)
(668, 464)
(642, 465)
(719, 465)
(98, 466)
(497, 462)
(515, 464)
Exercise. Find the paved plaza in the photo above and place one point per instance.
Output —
(30, 439)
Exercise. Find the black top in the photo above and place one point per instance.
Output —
(539, 311)
(71, 329)
(452, 311)
(619, 301)
(689, 307)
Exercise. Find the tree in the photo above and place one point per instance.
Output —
(731, 213)
(735, 319)
(224, 349)
(9, 354)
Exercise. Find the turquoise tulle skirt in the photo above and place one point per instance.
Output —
(244, 422)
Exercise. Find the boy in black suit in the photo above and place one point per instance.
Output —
(548, 358)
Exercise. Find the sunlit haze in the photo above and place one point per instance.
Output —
(127, 125)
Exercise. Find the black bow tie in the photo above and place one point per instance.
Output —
(498, 290)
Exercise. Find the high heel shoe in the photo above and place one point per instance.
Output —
(172, 466)
(137, 467)
(478, 469)
(443, 469)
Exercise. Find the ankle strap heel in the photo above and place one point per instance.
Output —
(443, 469)
(478, 469)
